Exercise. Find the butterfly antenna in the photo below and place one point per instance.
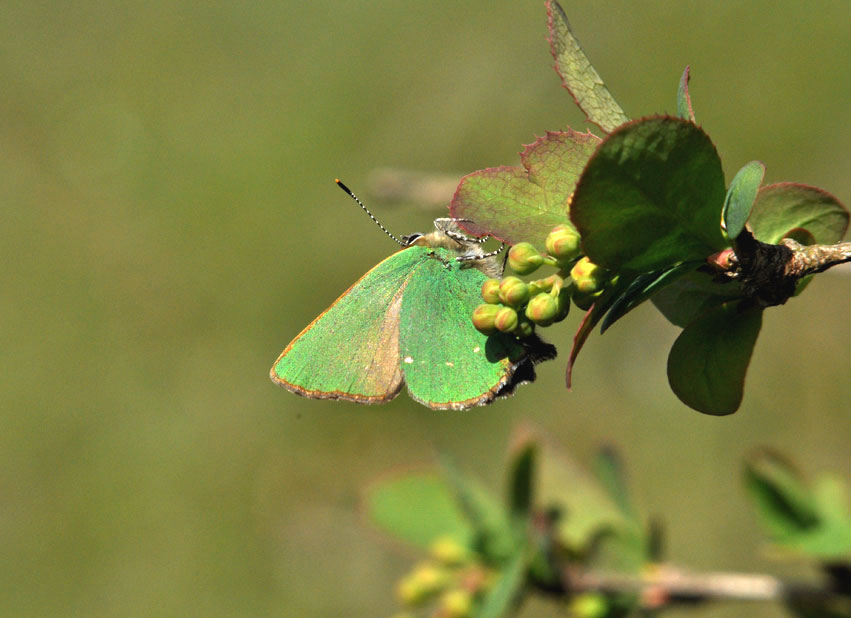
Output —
(366, 210)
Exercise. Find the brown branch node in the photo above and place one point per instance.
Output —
(769, 273)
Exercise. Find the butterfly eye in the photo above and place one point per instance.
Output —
(410, 240)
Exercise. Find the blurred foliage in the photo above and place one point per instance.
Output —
(559, 528)
(810, 519)
(171, 222)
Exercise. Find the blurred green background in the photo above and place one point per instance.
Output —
(171, 222)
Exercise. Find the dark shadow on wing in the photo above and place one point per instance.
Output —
(534, 350)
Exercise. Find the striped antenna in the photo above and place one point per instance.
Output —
(366, 210)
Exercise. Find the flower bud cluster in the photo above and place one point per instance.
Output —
(450, 584)
(513, 305)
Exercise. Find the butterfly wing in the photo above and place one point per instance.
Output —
(446, 362)
(351, 351)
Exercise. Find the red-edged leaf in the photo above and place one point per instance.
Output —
(577, 74)
(524, 203)
(600, 307)
(684, 108)
(786, 205)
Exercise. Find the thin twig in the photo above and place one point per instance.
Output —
(665, 585)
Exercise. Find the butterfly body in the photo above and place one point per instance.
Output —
(407, 321)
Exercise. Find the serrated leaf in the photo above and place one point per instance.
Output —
(651, 197)
(504, 594)
(708, 361)
(692, 295)
(783, 206)
(417, 508)
(578, 75)
(524, 203)
(492, 533)
(684, 109)
(643, 287)
(740, 197)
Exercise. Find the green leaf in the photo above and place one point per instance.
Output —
(521, 470)
(684, 109)
(651, 197)
(577, 74)
(643, 287)
(524, 203)
(586, 509)
(834, 540)
(417, 508)
(784, 206)
(783, 501)
(492, 533)
(692, 295)
(608, 467)
(505, 592)
(814, 520)
(741, 196)
(708, 361)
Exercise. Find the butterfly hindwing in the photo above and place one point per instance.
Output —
(447, 363)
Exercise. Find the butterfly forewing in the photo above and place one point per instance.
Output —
(351, 351)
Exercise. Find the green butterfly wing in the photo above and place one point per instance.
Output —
(405, 321)
(351, 351)
(446, 362)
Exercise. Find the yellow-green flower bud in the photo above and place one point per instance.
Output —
(525, 327)
(490, 291)
(506, 320)
(513, 292)
(589, 605)
(431, 576)
(563, 304)
(483, 318)
(523, 258)
(543, 285)
(423, 582)
(457, 603)
(409, 592)
(542, 309)
(584, 300)
(587, 276)
(563, 243)
(448, 551)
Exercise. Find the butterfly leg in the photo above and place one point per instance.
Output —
(448, 226)
(442, 260)
(480, 256)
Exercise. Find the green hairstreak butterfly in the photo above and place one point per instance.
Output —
(407, 321)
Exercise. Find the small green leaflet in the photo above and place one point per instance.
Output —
(407, 321)
(741, 196)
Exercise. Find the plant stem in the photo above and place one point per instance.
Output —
(666, 585)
